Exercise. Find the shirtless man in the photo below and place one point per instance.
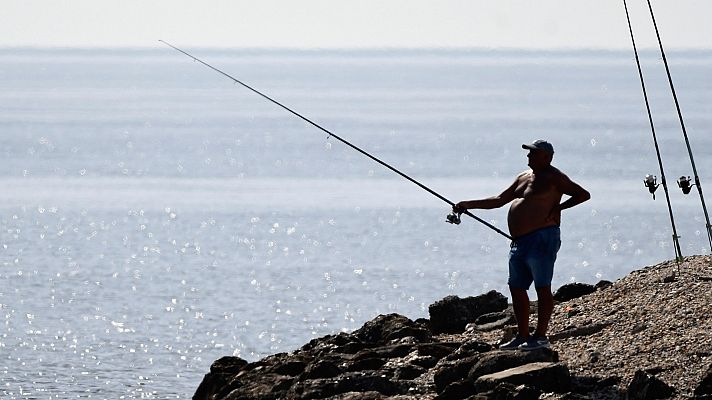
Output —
(533, 221)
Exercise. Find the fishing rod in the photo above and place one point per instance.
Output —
(649, 179)
(452, 218)
(683, 182)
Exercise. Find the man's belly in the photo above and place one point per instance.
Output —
(527, 216)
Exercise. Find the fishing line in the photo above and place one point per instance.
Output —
(650, 181)
(683, 182)
(331, 134)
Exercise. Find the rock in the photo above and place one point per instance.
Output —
(358, 396)
(546, 376)
(390, 351)
(603, 284)
(366, 364)
(492, 317)
(452, 314)
(453, 371)
(228, 364)
(572, 291)
(705, 386)
(646, 386)
(507, 391)
(491, 321)
(457, 391)
(220, 377)
(349, 382)
(426, 362)
(290, 368)
(408, 372)
(468, 349)
(385, 328)
(639, 327)
(670, 278)
(341, 343)
(437, 350)
(321, 369)
(500, 360)
(211, 384)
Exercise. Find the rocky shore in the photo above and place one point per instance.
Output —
(645, 336)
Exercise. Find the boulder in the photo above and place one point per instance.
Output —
(545, 376)
(603, 284)
(449, 372)
(228, 364)
(220, 377)
(646, 386)
(452, 314)
(492, 321)
(342, 343)
(385, 328)
(500, 360)
(572, 291)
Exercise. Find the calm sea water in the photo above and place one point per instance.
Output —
(156, 217)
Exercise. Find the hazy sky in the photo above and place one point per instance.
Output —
(354, 23)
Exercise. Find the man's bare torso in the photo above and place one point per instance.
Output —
(536, 195)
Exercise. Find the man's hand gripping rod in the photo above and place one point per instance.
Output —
(346, 143)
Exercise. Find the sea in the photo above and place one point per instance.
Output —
(156, 216)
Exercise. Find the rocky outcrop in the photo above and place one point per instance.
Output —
(646, 386)
(393, 357)
(545, 376)
(452, 314)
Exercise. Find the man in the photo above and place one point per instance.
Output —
(533, 219)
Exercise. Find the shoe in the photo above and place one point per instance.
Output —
(535, 343)
(514, 343)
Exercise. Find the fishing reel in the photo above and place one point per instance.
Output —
(454, 218)
(684, 183)
(650, 182)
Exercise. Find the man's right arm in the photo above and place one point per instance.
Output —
(490, 202)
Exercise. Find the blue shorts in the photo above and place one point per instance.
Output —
(532, 257)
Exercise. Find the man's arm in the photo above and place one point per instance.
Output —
(568, 187)
(490, 202)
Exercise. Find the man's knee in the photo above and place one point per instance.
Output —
(543, 290)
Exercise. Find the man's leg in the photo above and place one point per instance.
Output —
(546, 308)
(520, 303)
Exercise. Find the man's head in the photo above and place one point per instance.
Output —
(540, 154)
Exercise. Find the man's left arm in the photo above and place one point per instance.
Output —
(570, 188)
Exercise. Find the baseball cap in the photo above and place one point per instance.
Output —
(539, 145)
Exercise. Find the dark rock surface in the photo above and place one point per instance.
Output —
(545, 376)
(646, 386)
(572, 291)
(452, 314)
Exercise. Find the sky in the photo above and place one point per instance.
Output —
(550, 24)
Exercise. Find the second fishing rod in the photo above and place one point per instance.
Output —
(452, 218)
